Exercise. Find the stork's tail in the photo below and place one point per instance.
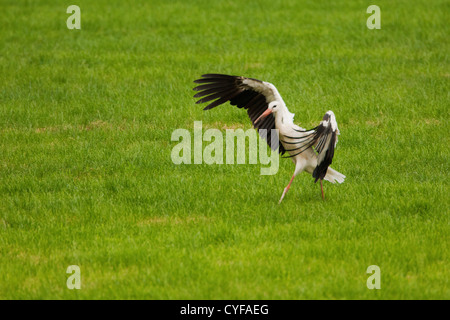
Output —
(333, 176)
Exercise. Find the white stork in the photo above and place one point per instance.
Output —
(267, 110)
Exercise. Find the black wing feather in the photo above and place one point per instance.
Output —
(323, 138)
(322, 167)
(226, 88)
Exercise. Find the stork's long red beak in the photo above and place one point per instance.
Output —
(265, 114)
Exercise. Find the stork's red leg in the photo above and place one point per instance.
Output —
(321, 188)
(287, 188)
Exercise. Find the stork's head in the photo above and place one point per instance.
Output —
(273, 107)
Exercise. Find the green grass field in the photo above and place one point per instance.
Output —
(86, 176)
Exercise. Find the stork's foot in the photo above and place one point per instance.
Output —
(286, 189)
(284, 193)
(321, 188)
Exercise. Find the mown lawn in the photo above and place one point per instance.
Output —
(86, 176)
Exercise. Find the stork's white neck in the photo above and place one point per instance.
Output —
(283, 118)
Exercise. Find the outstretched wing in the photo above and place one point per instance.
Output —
(323, 138)
(251, 94)
(327, 132)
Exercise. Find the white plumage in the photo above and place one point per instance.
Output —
(310, 150)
